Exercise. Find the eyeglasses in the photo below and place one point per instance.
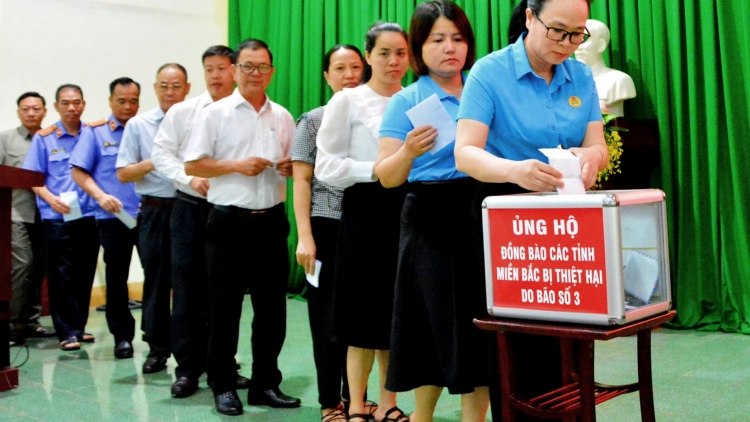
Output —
(248, 68)
(557, 34)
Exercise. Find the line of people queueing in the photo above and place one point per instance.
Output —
(393, 222)
(409, 303)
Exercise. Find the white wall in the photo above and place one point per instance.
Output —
(45, 43)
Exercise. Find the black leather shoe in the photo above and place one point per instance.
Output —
(273, 397)
(184, 387)
(243, 383)
(124, 350)
(154, 364)
(228, 403)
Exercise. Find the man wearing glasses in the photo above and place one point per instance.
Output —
(157, 198)
(241, 144)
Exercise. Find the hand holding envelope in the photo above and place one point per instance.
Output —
(71, 200)
(570, 166)
(431, 112)
(420, 140)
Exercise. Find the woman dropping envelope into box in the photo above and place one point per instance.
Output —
(527, 96)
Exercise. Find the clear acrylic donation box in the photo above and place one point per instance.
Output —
(599, 258)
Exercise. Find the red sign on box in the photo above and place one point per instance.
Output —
(548, 259)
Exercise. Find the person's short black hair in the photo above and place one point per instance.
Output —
(177, 66)
(124, 81)
(30, 94)
(67, 86)
(422, 21)
(254, 44)
(373, 33)
(219, 50)
(337, 47)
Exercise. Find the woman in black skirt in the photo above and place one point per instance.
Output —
(367, 246)
(527, 96)
(317, 209)
(439, 289)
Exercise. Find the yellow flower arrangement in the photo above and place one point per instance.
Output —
(614, 146)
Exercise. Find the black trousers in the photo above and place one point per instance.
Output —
(72, 250)
(246, 252)
(189, 285)
(27, 274)
(118, 242)
(330, 357)
(154, 250)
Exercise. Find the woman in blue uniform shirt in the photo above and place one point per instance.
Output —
(439, 289)
(527, 96)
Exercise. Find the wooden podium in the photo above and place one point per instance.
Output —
(10, 178)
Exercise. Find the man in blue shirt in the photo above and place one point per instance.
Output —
(157, 198)
(93, 168)
(72, 245)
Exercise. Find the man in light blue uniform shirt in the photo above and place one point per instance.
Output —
(157, 198)
(72, 246)
(93, 168)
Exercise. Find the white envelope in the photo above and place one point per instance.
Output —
(71, 198)
(313, 279)
(126, 218)
(641, 276)
(432, 112)
(570, 167)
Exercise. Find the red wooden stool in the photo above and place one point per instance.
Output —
(579, 394)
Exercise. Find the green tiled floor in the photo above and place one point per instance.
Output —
(697, 377)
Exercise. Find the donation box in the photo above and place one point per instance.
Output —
(599, 258)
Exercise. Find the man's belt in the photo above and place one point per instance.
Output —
(245, 212)
(155, 201)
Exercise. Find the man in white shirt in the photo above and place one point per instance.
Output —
(188, 223)
(241, 143)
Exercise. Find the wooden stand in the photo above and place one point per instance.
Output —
(10, 178)
(579, 394)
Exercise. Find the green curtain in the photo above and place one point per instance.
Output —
(690, 61)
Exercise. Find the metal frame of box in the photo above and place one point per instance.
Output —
(610, 202)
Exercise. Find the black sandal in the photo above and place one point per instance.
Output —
(400, 417)
(337, 414)
(362, 416)
(371, 407)
(71, 344)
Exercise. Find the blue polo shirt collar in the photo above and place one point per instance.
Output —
(427, 86)
(523, 66)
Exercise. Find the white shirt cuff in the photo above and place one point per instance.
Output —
(362, 171)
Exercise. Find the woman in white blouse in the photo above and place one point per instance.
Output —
(367, 249)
